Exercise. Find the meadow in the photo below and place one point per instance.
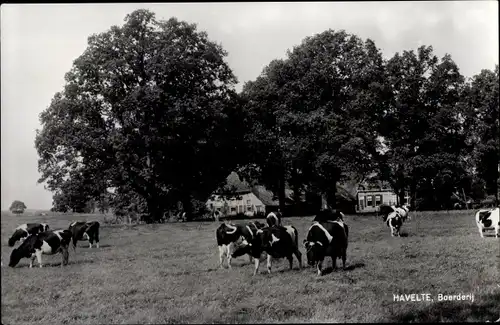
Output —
(169, 273)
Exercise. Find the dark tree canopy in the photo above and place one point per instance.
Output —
(150, 107)
(17, 207)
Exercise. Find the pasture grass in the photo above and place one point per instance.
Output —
(169, 273)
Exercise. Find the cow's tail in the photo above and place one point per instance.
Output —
(296, 236)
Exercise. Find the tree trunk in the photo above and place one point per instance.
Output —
(187, 206)
(282, 194)
(331, 197)
(413, 194)
(401, 197)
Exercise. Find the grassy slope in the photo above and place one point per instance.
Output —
(169, 274)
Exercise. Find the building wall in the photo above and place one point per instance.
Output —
(369, 201)
(249, 204)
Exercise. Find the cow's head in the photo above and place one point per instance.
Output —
(17, 235)
(244, 248)
(315, 251)
(44, 227)
(22, 251)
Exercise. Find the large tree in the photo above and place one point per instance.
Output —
(423, 127)
(317, 112)
(150, 107)
(481, 99)
(17, 207)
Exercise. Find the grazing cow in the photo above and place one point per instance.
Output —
(81, 230)
(394, 221)
(274, 219)
(47, 243)
(403, 211)
(488, 218)
(329, 215)
(277, 242)
(326, 239)
(228, 235)
(25, 230)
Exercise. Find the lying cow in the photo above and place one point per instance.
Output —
(329, 215)
(488, 218)
(25, 230)
(228, 235)
(81, 230)
(274, 219)
(47, 243)
(326, 239)
(394, 221)
(277, 242)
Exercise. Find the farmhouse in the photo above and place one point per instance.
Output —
(370, 200)
(241, 197)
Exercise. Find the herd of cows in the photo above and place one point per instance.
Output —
(327, 236)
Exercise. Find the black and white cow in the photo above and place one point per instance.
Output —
(25, 230)
(488, 218)
(403, 211)
(394, 221)
(274, 219)
(329, 215)
(46, 243)
(326, 239)
(82, 230)
(276, 241)
(228, 235)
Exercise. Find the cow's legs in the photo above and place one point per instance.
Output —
(32, 260)
(96, 238)
(344, 257)
(222, 252)
(497, 230)
(319, 266)
(65, 255)
(250, 258)
(229, 252)
(269, 260)
(298, 254)
(257, 264)
(290, 260)
(334, 261)
(39, 257)
(480, 231)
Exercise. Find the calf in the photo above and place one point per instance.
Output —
(47, 243)
(488, 218)
(81, 230)
(228, 235)
(277, 242)
(326, 239)
(329, 215)
(394, 221)
(274, 219)
(403, 211)
(25, 230)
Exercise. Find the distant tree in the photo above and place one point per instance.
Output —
(17, 207)
(149, 107)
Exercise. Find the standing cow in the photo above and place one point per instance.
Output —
(46, 243)
(394, 221)
(25, 230)
(329, 215)
(228, 235)
(403, 211)
(81, 230)
(276, 241)
(326, 239)
(488, 218)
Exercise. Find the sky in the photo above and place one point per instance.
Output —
(40, 42)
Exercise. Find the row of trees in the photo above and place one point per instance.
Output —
(149, 120)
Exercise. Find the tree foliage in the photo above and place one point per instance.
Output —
(149, 108)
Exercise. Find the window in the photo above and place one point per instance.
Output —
(249, 202)
(249, 208)
(405, 200)
(378, 200)
(233, 209)
(260, 208)
(369, 201)
(361, 204)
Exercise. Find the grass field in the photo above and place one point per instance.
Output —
(169, 274)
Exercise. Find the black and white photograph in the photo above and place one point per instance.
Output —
(250, 162)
